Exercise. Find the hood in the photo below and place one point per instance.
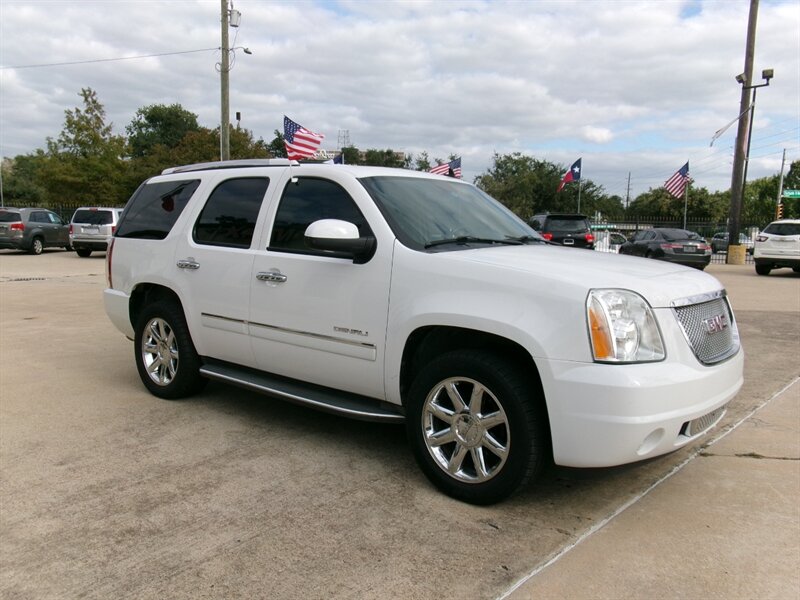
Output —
(657, 281)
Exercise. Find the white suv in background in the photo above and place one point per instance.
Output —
(399, 296)
(778, 245)
(91, 229)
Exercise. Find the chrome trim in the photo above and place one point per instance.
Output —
(699, 299)
(318, 336)
(188, 263)
(271, 276)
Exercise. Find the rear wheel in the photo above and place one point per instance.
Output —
(166, 359)
(476, 430)
(37, 245)
(83, 252)
(763, 269)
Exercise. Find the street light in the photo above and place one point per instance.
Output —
(766, 75)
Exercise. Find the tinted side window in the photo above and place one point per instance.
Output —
(38, 217)
(230, 214)
(154, 208)
(307, 201)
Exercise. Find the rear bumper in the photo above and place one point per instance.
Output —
(88, 243)
(117, 305)
(791, 262)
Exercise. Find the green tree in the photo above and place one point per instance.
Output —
(277, 147)
(422, 162)
(159, 124)
(85, 163)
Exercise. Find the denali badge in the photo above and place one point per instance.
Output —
(716, 324)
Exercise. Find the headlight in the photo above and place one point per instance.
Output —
(622, 327)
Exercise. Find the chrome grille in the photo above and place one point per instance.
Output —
(710, 329)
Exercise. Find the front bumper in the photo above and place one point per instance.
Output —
(605, 415)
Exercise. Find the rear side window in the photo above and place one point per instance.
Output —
(93, 217)
(307, 201)
(9, 217)
(154, 208)
(566, 224)
(229, 217)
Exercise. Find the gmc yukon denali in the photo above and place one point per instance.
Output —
(392, 295)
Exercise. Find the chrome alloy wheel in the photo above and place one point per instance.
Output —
(466, 430)
(160, 351)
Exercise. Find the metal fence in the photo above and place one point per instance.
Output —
(706, 229)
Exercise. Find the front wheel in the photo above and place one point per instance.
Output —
(37, 245)
(476, 430)
(166, 359)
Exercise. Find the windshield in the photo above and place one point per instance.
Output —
(426, 213)
(566, 224)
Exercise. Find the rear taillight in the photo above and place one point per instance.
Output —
(670, 246)
(109, 252)
(70, 228)
(589, 238)
(17, 226)
(547, 236)
(113, 229)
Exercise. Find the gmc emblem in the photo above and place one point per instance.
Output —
(716, 324)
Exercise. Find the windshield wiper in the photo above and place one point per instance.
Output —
(526, 239)
(469, 239)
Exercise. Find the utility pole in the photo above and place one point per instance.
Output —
(628, 192)
(734, 256)
(224, 81)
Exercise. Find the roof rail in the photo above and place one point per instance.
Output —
(232, 164)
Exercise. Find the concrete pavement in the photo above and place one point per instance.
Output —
(108, 492)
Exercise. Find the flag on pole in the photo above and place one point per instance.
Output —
(452, 168)
(300, 142)
(574, 174)
(676, 184)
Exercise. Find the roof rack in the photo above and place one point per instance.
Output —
(232, 164)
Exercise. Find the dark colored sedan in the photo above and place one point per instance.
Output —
(673, 245)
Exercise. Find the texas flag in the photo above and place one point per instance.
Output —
(574, 174)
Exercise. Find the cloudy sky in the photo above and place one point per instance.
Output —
(631, 87)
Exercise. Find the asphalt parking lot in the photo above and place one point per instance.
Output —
(109, 492)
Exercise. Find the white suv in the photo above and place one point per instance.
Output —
(400, 296)
(778, 245)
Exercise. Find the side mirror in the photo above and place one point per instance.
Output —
(341, 238)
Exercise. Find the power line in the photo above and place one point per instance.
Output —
(99, 60)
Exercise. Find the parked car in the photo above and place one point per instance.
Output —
(719, 243)
(399, 296)
(565, 229)
(32, 229)
(777, 246)
(672, 245)
(608, 241)
(92, 227)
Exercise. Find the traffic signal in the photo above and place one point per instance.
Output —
(779, 211)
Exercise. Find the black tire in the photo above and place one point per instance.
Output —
(37, 245)
(166, 359)
(796, 269)
(509, 418)
(763, 269)
(83, 252)
(68, 248)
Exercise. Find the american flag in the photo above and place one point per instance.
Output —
(300, 142)
(676, 184)
(453, 168)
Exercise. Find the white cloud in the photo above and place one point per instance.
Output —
(630, 86)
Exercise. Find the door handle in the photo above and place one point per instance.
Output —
(271, 276)
(188, 263)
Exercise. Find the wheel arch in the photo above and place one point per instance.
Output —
(147, 293)
(428, 342)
